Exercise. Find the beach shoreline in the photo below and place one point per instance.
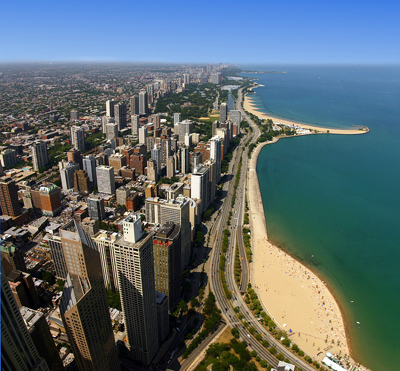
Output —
(250, 107)
(282, 297)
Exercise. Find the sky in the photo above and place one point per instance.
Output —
(243, 32)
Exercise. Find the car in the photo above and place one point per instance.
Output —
(226, 308)
(249, 335)
(236, 325)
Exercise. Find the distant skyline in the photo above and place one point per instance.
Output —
(255, 32)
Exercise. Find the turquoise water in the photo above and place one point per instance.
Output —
(337, 197)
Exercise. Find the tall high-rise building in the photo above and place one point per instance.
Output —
(84, 307)
(176, 211)
(186, 79)
(170, 167)
(185, 127)
(134, 263)
(177, 118)
(142, 135)
(67, 175)
(40, 157)
(78, 138)
(143, 104)
(104, 121)
(135, 124)
(156, 155)
(216, 154)
(18, 351)
(156, 121)
(13, 255)
(111, 131)
(223, 112)
(185, 160)
(96, 207)
(150, 89)
(201, 186)
(117, 160)
(73, 155)
(167, 262)
(120, 115)
(39, 331)
(110, 108)
(152, 170)
(81, 181)
(50, 199)
(215, 78)
(57, 255)
(8, 157)
(134, 103)
(105, 179)
(9, 197)
(89, 165)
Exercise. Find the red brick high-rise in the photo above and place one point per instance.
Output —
(9, 197)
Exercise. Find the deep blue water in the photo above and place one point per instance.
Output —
(337, 197)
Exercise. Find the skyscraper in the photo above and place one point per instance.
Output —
(78, 138)
(105, 179)
(18, 351)
(110, 108)
(89, 165)
(120, 115)
(135, 124)
(39, 332)
(134, 262)
(134, 102)
(96, 207)
(201, 186)
(235, 116)
(223, 112)
(186, 79)
(156, 155)
(81, 181)
(176, 211)
(84, 307)
(177, 118)
(185, 127)
(216, 154)
(143, 105)
(167, 262)
(156, 121)
(152, 170)
(111, 131)
(142, 135)
(57, 255)
(67, 176)
(9, 197)
(184, 160)
(40, 157)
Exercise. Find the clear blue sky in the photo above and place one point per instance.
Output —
(280, 31)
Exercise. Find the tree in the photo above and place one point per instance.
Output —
(263, 363)
(235, 332)
(193, 302)
(273, 350)
(254, 353)
(48, 277)
(286, 342)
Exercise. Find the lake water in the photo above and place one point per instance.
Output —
(337, 197)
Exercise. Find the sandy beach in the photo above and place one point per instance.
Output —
(292, 294)
(250, 107)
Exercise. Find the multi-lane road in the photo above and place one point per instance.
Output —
(227, 306)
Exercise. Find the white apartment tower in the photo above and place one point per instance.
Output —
(105, 179)
(133, 261)
(78, 138)
(216, 154)
(135, 124)
(177, 118)
(110, 108)
(111, 131)
(143, 105)
(142, 135)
